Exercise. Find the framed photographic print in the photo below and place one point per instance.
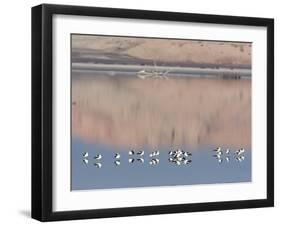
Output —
(145, 112)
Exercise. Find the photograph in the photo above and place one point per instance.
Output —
(140, 112)
(152, 111)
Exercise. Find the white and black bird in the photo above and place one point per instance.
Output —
(218, 150)
(172, 152)
(85, 154)
(85, 161)
(240, 151)
(98, 156)
(186, 154)
(179, 151)
(131, 152)
(141, 153)
(117, 156)
(154, 153)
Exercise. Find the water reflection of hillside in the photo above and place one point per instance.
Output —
(126, 111)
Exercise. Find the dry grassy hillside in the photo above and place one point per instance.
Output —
(182, 51)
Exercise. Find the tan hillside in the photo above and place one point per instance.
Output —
(182, 51)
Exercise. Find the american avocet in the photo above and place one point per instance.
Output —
(98, 156)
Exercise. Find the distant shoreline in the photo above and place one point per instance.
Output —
(179, 71)
(100, 57)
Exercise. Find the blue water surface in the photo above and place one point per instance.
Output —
(204, 168)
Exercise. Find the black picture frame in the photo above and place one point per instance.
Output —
(42, 107)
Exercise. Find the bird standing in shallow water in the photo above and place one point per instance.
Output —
(186, 154)
(132, 152)
(218, 150)
(240, 151)
(140, 153)
(98, 156)
(85, 158)
(117, 161)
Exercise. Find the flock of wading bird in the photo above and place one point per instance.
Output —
(177, 157)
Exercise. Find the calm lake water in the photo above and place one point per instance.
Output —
(116, 114)
(204, 168)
